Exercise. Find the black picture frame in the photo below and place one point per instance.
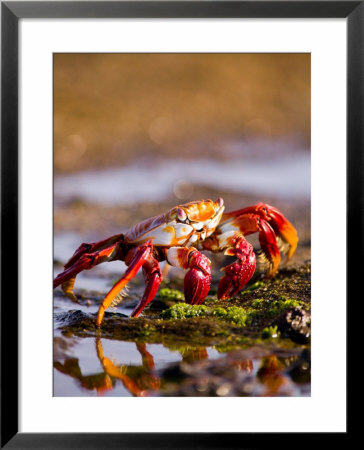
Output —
(11, 12)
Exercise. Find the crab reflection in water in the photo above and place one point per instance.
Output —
(194, 375)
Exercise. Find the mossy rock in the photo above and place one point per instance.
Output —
(242, 319)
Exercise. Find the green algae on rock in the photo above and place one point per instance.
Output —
(268, 307)
(185, 311)
(254, 286)
(233, 314)
(170, 294)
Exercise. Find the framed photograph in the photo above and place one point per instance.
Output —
(172, 166)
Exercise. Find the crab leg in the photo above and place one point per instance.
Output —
(241, 270)
(252, 223)
(270, 255)
(152, 277)
(284, 229)
(84, 258)
(92, 248)
(198, 278)
(135, 260)
(84, 262)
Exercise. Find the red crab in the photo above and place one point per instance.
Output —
(177, 237)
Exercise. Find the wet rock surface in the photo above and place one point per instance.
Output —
(248, 317)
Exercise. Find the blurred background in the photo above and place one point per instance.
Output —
(135, 134)
(112, 108)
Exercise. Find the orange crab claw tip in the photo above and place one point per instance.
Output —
(273, 269)
(289, 233)
(284, 228)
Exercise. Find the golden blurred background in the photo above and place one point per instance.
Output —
(112, 108)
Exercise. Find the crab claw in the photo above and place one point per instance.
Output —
(239, 272)
(287, 238)
(269, 257)
(198, 278)
(276, 234)
(138, 256)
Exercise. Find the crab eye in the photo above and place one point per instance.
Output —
(181, 214)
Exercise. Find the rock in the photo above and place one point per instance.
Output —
(71, 318)
(295, 324)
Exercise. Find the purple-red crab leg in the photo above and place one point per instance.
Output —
(152, 277)
(241, 270)
(92, 248)
(135, 259)
(86, 257)
(198, 278)
(85, 262)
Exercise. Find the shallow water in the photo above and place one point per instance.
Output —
(124, 356)
(104, 367)
(287, 177)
